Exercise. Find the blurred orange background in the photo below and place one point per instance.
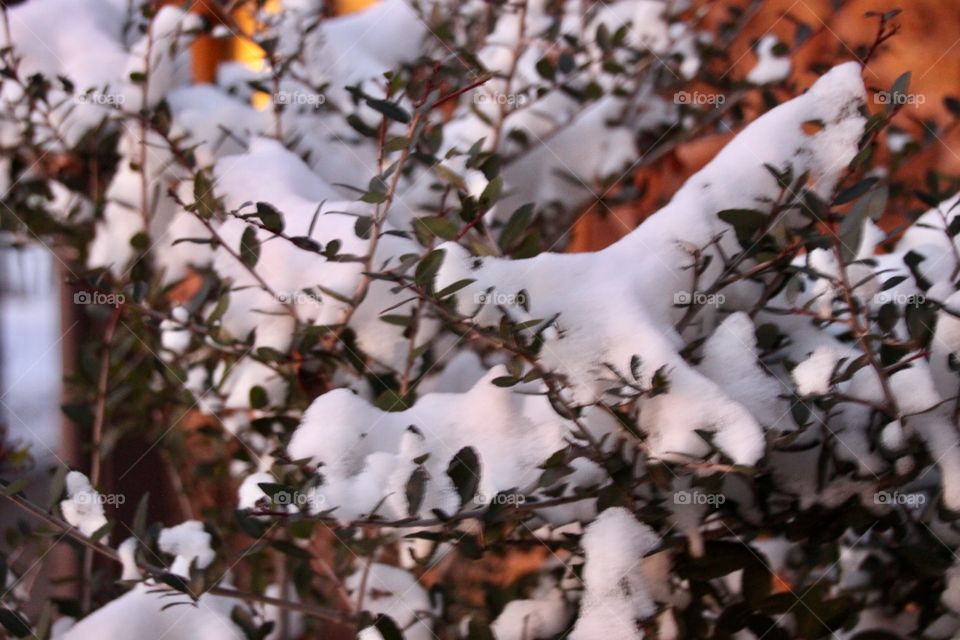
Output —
(927, 45)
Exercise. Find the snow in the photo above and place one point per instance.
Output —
(190, 544)
(295, 620)
(140, 613)
(897, 141)
(395, 593)
(616, 594)
(83, 507)
(813, 375)
(128, 557)
(951, 595)
(367, 454)
(531, 619)
(730, 360)
(635, 280)
(770, 67)
(174, 335)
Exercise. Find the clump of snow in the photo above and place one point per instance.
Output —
(141, 613)
(190, 544)
(128, 558)
(813, 375)
(892, 435)
(83, 507)
(368, 454)
(272, 613)
(951, 595)
(395, 593)
(897, 141)
(730, 360)
(174, 333)
(770, 66)
(616, 594)
(533, 618)
(637, 280)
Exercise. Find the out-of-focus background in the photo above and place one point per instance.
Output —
(823, 31)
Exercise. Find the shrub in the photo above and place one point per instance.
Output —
(349, 308)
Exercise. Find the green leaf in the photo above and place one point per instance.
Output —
(387, 628)
(14, 487)
(396, 144)
(901, 85)
(374, 197)
(305, 243)
(14, 623)
(274, 489)
(288, 548)
(57, 484)
(100, 533)
(745, 222)
(175, 582)
(546, 69)
(492, 192)
(453, 288)
(249, 247)
(221, 308)
(416, 487)
(139, 527)
(270, 218)
(390, 110)
(854, 192)
(516, 226)
(921, 320)
(391, 400)
(258, 397)
(887, 316)
(362, 227)
(869, 206)
(427, 269)
(204, 199)
(442, 228)
(397, 319)
(464, 472)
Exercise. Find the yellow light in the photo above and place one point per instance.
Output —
(248, 53)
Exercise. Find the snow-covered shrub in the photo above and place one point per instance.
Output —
(739, 420)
